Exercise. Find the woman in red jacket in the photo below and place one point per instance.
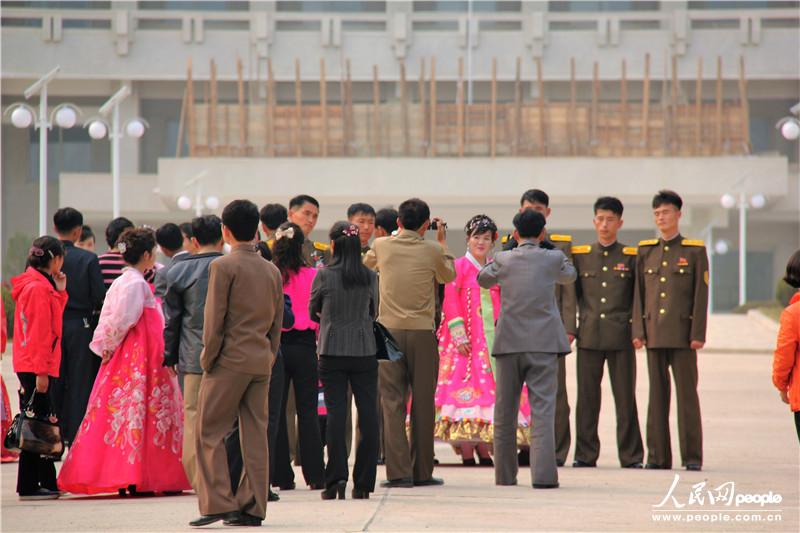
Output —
(786, 362)
(6, 456)
(40, 295)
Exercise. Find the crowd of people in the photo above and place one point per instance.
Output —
(245, 351)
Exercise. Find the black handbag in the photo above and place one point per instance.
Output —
(388, 349)
(35, 434)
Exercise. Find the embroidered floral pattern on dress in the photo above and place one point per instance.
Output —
(168, 419)
(127, 409)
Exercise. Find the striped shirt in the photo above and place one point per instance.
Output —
(111, 265)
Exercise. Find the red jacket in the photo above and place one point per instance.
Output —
(786, 360)
(37, 323)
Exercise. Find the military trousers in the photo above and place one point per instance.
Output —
(563, 434)
(622, 373)
(683, 363)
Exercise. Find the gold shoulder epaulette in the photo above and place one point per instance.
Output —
(648, 242)
(321, 247)
(584, 249)
(505, 239)
(692, 242)
(561, 238)
(629, 250)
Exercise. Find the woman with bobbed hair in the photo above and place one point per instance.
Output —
(132, 434)
(786, 360)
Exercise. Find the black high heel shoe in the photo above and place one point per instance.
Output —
(334, 491)
(359, 494)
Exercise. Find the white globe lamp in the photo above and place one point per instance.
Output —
(790, 130)
(97, 130)
(66, 117)
(212, 203)
(728, 201)
(184, 203)
(21, 117)
(721, 247)
(135, 128)
(758, 201)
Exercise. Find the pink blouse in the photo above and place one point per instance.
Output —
(125, 301)
(298, 288)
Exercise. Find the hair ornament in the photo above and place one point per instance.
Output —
(122, 247)
(281, 233)
(350, 231)
(36, 251)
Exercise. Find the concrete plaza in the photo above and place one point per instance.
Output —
(750, 449)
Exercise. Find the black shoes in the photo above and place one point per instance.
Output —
(243, 519)
(432, 482)
(334, 491)
(654, 466)
(469, 462)
(207, 519)
(359, 494)
(583, 464)
(287, 486)
(316, 486)
(273, 496)
(400, 483)
(693, 467)
(560, 462)
(634, 465)
(524, 458)
(485, 461)
(545, 485)
(40, 494)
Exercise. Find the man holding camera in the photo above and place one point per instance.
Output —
(409, 267)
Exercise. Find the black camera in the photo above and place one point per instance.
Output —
(435, 225)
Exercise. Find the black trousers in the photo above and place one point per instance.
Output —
(79, 367)
(361, 373)
(300, 365)
(233, 447)
(34, 472)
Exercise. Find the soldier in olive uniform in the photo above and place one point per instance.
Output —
(669, 317)
(304, 211)
(606, 273)
(538, 200)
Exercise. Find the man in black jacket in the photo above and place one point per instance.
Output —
(86, 292)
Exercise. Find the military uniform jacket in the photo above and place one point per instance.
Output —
(316, 254)
(671, 292)
(565, 294)
(604, 288)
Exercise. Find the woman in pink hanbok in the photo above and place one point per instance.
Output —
(132, 434)
(465, 393)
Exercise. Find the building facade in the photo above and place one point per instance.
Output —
(463, 103)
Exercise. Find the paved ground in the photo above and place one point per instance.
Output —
(749, 442)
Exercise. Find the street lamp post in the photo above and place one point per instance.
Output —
(729, 201)
(185, 203)
(23, 115)
(789, 127)
(99, 128)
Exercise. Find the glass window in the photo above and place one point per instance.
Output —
(195, 5)
(595, 6)
(478, 6)
(366, 6)
(742, 4)
(58, 5)
(69, 150)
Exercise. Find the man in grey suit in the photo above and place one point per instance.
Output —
(529, 339)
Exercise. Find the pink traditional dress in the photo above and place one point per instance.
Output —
(132, 433)
(465, 393)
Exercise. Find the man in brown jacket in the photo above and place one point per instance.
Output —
(538, 200)
(669, 317)
(606, 273)
(409, 267)
(241, 335)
